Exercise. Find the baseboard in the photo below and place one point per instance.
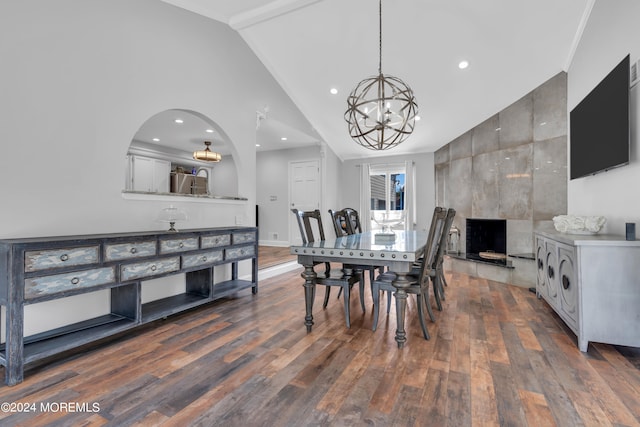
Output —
(280, 243)
(266, 273)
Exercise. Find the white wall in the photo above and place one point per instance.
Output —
(611, 33)
(425, 183)
(78, 78)
(273, 181)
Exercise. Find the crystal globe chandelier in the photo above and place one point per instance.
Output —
(381, 109)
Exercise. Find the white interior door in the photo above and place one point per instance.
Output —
(304, 192)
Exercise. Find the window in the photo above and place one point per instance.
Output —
(387, 195)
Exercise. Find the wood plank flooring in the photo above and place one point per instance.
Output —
(268, 256)
(498, 356)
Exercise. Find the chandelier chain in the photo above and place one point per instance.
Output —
(380, 38)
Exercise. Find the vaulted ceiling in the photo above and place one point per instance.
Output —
(311, 46)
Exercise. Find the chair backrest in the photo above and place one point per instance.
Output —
(339, 221)
(433, 241)
(306, 219)
(354, 220)
(442, 245)
(345, 221)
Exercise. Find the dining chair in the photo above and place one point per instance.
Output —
(346, 222)
(437, 270)
(419, 285)
(343, 278)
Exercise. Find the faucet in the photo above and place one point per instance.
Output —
(194, 186)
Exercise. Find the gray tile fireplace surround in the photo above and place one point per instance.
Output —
(512, 166)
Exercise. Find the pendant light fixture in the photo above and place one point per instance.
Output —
(207, 155)
(381, 109)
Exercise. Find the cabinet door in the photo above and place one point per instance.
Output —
(161, 173)
(568, 285)
(541, 253)
(150, 174)
(142, 173)
(551, 273)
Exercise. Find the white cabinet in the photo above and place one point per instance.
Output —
(149, 174)
(593, 283)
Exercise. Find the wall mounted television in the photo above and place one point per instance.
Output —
(599, 125)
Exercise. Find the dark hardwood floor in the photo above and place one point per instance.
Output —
(497, 356)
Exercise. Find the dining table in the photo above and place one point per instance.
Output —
(398, 253)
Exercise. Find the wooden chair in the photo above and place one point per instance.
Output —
(346, 222)
(329, 277)
(437, 269)
(419, 285)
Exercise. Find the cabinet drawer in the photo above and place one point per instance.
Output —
(168, 246)
(216, 241)
(48, 285)
(149, 268)
(55, 258)
(129, 250)
(243, 251)
(203, 258)
(243, 237)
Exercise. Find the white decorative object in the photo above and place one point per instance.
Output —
(576, 224)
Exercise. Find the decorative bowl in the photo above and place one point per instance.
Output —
(576, 224)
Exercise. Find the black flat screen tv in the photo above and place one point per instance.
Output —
(599, 125)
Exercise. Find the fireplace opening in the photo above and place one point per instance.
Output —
(487, 240)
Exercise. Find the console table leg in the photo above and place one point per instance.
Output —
(14, 368)
(309, 276)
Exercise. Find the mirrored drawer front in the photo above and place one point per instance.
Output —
(48, 285)
(150, 268)
(215, 241)
(129, 250)
(201, 259)
(55, 258)
(240, 252)
(243, 237)
(178, 245)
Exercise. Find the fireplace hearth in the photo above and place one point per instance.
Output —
(486, 240)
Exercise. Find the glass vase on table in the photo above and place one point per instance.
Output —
(386, 220)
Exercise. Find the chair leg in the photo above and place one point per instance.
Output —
(375, 292)
(388, 301)
(339, 293)
(442, 282)
(423, 325)
(361, 287)
(326, 296)
(425, 296)
(436, 291)
(372, 277)
(347, 294)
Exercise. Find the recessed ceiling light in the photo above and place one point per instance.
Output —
(463, 64)
(209, 131)
(498, 129)
(418, 118)
(156, 139)
(257, 145)
(179, 121)
(333, 91)
(284, 138)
